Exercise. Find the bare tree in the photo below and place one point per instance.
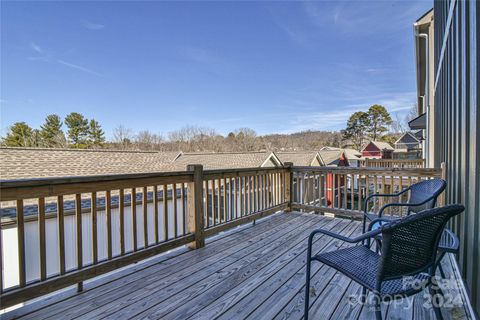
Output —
(145, 140)
(122, 137)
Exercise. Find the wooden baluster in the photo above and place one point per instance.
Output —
(213, 202)
(264, 192)
(321, 190)
(334, 192)
(184, 209)
(42, 240)
(219, 201)
(224, 182)
(155, 214)
(249, 194)
(242, 197)
(61, 234)
(21, 244)
(359, 193)
(78, 234)
(93, 206)
(352, 191)
(234, 198)
(175, 214)
(345, 190)
(207, 203)
(231, 197)
(367, 189)
(145, 216)
(133, 206)
(165, 212)
(108, 211)
(121, 218)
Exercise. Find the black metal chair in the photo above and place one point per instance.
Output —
(422, 195)
(409, 249)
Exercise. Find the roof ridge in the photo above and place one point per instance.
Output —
(213, 153)
(84, 150)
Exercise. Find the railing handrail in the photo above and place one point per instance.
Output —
(434, 172)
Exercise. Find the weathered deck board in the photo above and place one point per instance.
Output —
(257, 272)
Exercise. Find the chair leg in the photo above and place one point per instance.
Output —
(378, 306)
(307, 282)
(434, 292)
(364, 295)
(442, 273)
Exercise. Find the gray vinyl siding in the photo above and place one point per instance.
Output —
(458, 134)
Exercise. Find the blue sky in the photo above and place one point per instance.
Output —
(269, 65)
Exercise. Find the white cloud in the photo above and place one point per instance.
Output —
(336, 117)
(80, 68)
(36, 48)
(92, 25)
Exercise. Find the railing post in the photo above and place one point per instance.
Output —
(443, 168)
(288, 188)
(195, 206)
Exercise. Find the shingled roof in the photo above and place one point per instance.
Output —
(349, 153)
(381, 145)
(226, 160)
(331, 157)
(29, 163)
(301, 158)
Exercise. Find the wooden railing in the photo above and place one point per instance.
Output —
(343, 190)
(392, 163)
(68, 230)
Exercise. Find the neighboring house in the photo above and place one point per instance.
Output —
(335, 158)
(408, 146)
(424, 55)
(301, 158)
(31, 163)
(377, 150)
(226, 160)
(353, 156)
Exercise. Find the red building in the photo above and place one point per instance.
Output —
(378, 150)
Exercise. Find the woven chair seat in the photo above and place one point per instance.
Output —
(361, 264)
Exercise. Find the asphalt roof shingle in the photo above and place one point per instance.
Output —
(30, 163)
(299, 158)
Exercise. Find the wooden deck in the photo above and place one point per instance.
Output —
(254, 272)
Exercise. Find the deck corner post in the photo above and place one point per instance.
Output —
(443, 168)
(288, 187)
(195, 206)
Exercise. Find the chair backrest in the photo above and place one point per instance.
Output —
(409, 245)
(427, 190)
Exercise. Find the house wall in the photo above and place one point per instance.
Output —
(371, 151)
(458, 121)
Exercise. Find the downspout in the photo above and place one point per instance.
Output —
(426, 97)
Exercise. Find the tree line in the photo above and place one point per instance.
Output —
(84, 133)
(81, 133)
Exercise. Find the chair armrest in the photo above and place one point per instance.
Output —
(372, 223)
(398, 204)
(361, 237)
(382, 195)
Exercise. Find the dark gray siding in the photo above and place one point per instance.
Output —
(458, 135)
